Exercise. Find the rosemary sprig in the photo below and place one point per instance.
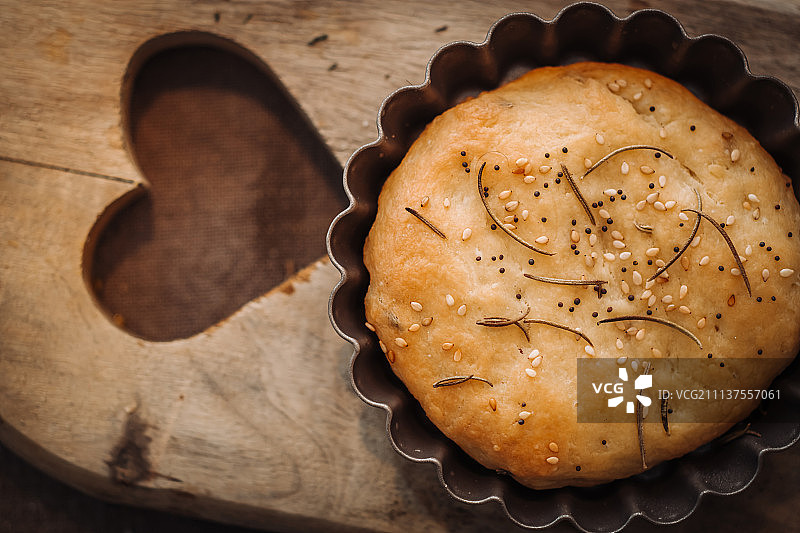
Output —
(736, 433)
(498, 322)
(458, 380)
(688, 242)
(559, 281)
(730, 245)
(653, 319)
(559, 326)
(499, 223)
(665, 414)
(427, 222)
(577, 193)
(643, 228)
(640, 420)
(625, 149)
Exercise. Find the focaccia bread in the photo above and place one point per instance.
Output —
(524, 225)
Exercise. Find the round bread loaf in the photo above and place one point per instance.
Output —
(585, 212)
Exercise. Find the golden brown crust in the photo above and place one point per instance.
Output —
(428, 293)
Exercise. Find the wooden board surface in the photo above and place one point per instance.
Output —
(252, 422)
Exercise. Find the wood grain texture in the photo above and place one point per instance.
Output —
(252, 422)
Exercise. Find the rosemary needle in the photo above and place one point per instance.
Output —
(427, 222)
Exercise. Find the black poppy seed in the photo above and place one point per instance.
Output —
(519, 296)
(577, 252)
(680, 225)
(464, 164)
(520, 421)
(536, 194)
(547, 154)
(652, 108)
(623, 197)
(564, 150)
(486, 195)
(722, 365)
(588, 230)
(603, 291)
(571, 309)
(600, 203)
(578, 468)
(500, 257)
(610, 220)
(692, 127)
(652, 185)
(531, 261)
(558, 180)
(544, 219)
(658, 155)
(676, 249)
(789, 234)
(494, 258)
(603, 442)
(486, 189)
(619, 191)
(769, 248)
(709, 356)
(624, 269)
(611, 199)
(546, 185)
(721, 268)
(762, 244)
(777, 207)
(523, 404)
(516, 218)
(760, 351)
(574, 222)
(577, 301)
(649, 261)
(594, 315)
(649, 312)
(497, 167)
(609, 309)
(463, 153)
(560, 174)
(573, 246)
(561, 304)
(466, 170)
(604, 228)
(759, 298)
(773, 298)
(635, 263)
(669, 411)
(719, 315)
(493, 226)
(630, 297)
(478, 258)
(721, 224)
(777, 258)
(752, 169)
(502, 270)
(594, 204)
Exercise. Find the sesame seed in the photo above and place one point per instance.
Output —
(624, 286)
(493, 406)
(701, 323)
(640, 205)
(683, 216)
(589, 350)
(652, 252)
(652, 197)
(756, 213)
(752, 197)
(390, 356)
(575, 236)
(635, 365)
(592, 239)
(450, 300)
(685, 310)
(646, 169)
(529, 179)
(542, 240)
(522, 161)
(618, 235)
(446, 202)
(369, 326)
(648, 83)
(599, 138)
(382, 346)
(619, 346)
(552, 460)
(553, 447)
(524, 214)
(536, 361)
(424, 201)
(401, 342)
(660, 206)
(613, 87)
(705, 260)
(735, 155)
(608, 256)
(587, 163)
(735, 272)
(513, 204)
(667, 299)
(730, 220)
(731, 300)
(427, 321)
(416, 306)
(544, 169)
(640, 335)
(637, 278)
(622, 83)
(589, 261)
(447, 346)
(649, 283)
(524, 415)
(621, 360)
(651, 300)
(637, 96)
(618, 244)
(531, 372)
(414, 327)
(765, 274)
(505, 194)
(457, 356)
(624, 168)
(624, 255)
(462, 310)
(610, 192)
(670, 204)
(786, 272)
(662, 133)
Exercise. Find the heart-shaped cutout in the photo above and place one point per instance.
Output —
(241, 190)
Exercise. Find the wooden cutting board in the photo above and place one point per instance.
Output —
(253, 421)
